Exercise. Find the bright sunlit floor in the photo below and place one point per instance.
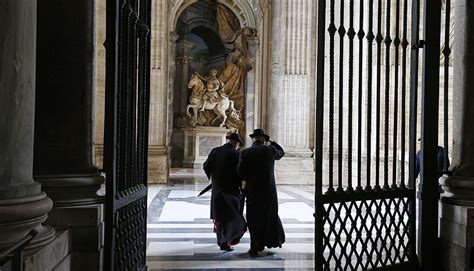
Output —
(180, 232)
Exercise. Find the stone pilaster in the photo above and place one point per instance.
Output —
(23, 206)
(289, 92)
(250, 110)
(158, 161)
(456, 223)
(180, 97)
(63, 151)
(173, 38)
(183, 69)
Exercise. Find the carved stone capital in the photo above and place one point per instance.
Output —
(184, 59)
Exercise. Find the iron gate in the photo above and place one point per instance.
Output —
(126, 133)
(366, 123)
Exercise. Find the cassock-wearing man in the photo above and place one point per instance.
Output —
(221, 169)
(256, 167)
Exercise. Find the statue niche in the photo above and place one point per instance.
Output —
(209, 96)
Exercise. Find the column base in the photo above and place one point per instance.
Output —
(19, 216)
(86, 230)
(457, 190)
(158, 164)
(295, 170)
(51, 257)
(456, 236)
(72, 190)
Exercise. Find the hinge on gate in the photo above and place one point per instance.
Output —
(116, 220)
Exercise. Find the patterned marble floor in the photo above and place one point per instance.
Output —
(180, 232)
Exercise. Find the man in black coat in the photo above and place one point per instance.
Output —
(256, 167)
(221, 169)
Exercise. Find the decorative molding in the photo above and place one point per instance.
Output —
(184, 59)
(157, 150)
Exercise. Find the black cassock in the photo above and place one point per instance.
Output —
(221, 168)
(256, 166)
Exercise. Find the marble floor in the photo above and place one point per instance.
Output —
(180, 232)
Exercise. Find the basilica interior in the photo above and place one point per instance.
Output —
(109, 109)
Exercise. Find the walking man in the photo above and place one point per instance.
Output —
(256, 167)
(221, 169)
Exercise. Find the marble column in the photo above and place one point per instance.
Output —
(457, 202)
(183, 70)
(289, 108)
(158, 160)
(180, 98)
(276, 70)
(23, 206)
(65, 86)
(459, 187)
(169, 86)
(63, 151)
(250, 91)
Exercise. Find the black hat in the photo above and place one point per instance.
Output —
(234, 136)
(259, 132)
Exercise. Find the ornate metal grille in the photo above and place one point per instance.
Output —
(366, 130)
(126, 132)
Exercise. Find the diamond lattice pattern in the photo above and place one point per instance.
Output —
(359, 235)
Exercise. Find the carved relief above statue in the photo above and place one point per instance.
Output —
(209, 96)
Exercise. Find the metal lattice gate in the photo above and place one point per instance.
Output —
(126, 133)
(366, 123)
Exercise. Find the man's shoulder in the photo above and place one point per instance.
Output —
(252, 149)
(214, 150)
(224, 148)
(246, 150)
(217, 149)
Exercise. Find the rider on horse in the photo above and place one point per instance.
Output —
(214, 88)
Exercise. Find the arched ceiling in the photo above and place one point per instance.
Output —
(241, 8)
(211, 39)
(199, 19)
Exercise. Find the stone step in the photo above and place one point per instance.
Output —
(50, 256)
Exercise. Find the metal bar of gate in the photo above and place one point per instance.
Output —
(319, 222)
(358, 224)
(110, 129)
(446, 54)
(414, 59)
(428, 205)
(360, 35)
(370, 40)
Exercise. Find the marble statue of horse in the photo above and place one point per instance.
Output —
(219, 107)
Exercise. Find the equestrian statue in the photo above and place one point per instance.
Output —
(209, 96)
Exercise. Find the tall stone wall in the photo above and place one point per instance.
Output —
(158, 160)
